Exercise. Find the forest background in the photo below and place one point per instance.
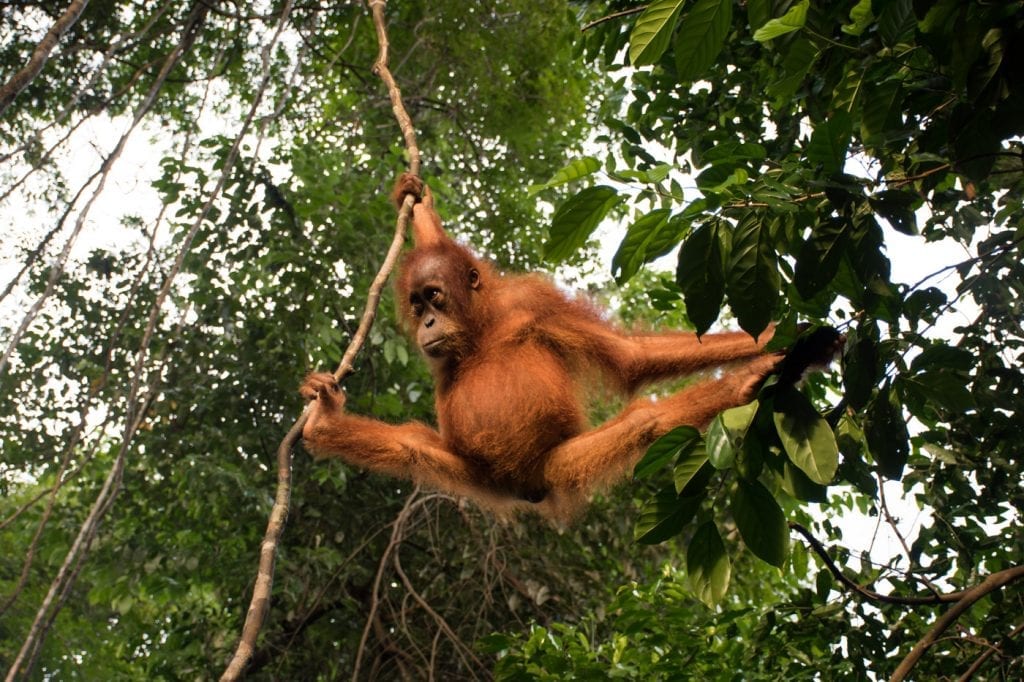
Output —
(194, 202)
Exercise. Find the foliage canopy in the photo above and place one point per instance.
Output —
(194, 203)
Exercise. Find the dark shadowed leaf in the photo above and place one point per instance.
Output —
(885, 429)
(665, 515)
(707, 564)
(761, 522)
(753, 275)
(700, 37)
(701, 275)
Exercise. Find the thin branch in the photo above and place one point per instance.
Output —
(989, 585)
(613, 15)
(988, 653)
(189, 35)
(822, 552)
(460, 647)
(396, 538)
(19, 81)
(260, 603)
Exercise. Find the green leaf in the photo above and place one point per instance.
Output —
(650, 237)
(707, 564)
(898, 208)
(806, 437)
(652, 32)
(701, 275)
(665, 515)
(761, 522)
(700, 37)
(577, 168)
(860, 366)
(819, 257)
(829, 142)
(732, 151)
(758, 13)
(885, 429)
(693, 472)
(797, 484)
(793, 20)
(896, 20)
(946, 389)
(717, 178)
(576, 219)
(861, 17)
(674, 443)
(726, 434)
(753, 280)
(881, 118)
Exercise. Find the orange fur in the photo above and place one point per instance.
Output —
(510, 355)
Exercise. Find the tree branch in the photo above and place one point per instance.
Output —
(822, 552)
(19, 81)
(259, 606)
(987, 586)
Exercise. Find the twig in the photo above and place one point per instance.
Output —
(613, 15)
(986, 587)
(396, 537)
(988, 653)
(19, 81)
(259, 606)
(822, 552)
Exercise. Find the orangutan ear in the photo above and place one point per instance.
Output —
(474, 278)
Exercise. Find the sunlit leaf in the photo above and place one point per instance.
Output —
(577, 168)
(652, 32)
(793, 20)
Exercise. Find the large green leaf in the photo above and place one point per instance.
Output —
(576, 219)
(692, 472)
(820, 255)
(761, 522)
(806, 437)
(680, 440)
(651, 236)
(753, 280)
(701, 35)
(701, 274)
(885, 429)
(727, 433)
(829, 142)
(665, 515)
(652, 32)
(793, 20)
(707, 564)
